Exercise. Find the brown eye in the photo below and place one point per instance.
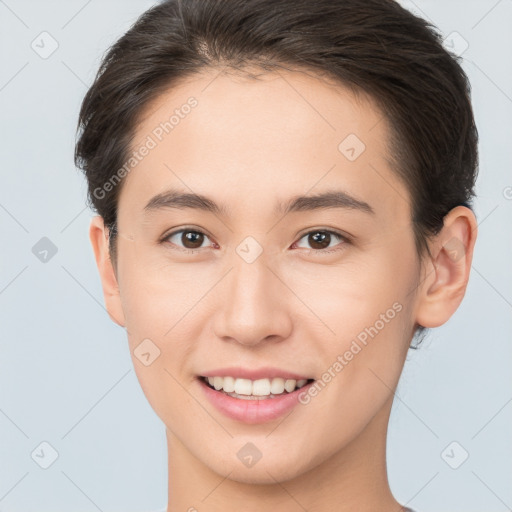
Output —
(192, 239)
(320, 240)
(187, 239)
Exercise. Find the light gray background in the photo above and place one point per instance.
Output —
(66, 376)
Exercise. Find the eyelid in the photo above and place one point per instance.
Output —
(194, 229)
(344, 237)
(333, 231)
(344, 240)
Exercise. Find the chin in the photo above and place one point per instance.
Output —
(267, 475)
(267, 470)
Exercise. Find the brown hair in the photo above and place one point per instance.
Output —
(374, 46)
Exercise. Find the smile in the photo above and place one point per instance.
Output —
(260, 389)
(253, 396)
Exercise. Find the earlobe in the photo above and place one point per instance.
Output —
(98, 235)
(447, 274)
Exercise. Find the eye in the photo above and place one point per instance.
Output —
(192, 239)
(320, 240)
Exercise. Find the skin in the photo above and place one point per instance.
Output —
(249, 144)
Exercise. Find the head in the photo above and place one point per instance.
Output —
(211, 118)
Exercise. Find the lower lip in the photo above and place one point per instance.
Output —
(253, 411)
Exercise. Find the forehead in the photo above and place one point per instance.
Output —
(262, 105)
(241, 138)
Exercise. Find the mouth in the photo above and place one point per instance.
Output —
(259, 389)
(254, 401)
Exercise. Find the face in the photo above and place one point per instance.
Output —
(263, 285)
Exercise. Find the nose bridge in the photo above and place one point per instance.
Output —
(252, 306)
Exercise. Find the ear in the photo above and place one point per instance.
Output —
(447, 273)
(98, 234)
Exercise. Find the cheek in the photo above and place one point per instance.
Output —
(374, 328)
(367, 309)
(155, 297)
(349, 298)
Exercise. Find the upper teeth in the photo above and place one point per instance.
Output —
(260, 387)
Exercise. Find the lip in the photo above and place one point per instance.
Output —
(252, 411)
(254, 373)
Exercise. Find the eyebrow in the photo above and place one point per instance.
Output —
(325, 200)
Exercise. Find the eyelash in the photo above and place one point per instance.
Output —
(344, 239)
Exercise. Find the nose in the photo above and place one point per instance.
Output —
(254, 305)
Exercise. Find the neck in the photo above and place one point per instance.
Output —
(354, 478)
